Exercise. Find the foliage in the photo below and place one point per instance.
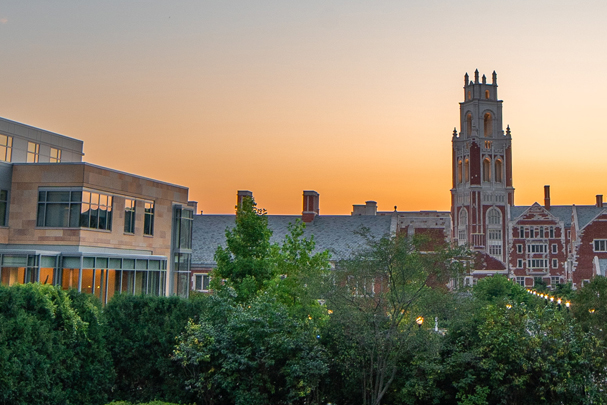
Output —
(499, 289)
(590, 307)
(51, 348)
(376, 298)
(141, 333)
(520, 356)
(253, 354)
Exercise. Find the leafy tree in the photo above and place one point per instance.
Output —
(499, 289)
(376, 299)
(51, 348)
(590, 307)
(141, 334)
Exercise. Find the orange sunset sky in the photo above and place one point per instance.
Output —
(354, 99)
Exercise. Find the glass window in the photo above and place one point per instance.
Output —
(55, 155)
(3, 207)
(6, 148)
(129, 216)
(33, 152)
(148, 223)
(72, 209)
(201, 282)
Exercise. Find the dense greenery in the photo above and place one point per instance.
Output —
(283, 328)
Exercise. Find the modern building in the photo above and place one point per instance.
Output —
(77, 225)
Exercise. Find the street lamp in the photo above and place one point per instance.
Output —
(508, 306)
(419, 321)
(567, 304)
(591, 310)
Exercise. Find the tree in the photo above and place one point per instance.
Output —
(376, 299)
(590, 307)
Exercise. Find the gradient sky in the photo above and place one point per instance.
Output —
(354, 99)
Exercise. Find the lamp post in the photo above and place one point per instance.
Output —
(567, 304)
(419, 321)
(559, 303)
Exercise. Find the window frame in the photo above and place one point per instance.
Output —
(129, 215)
(33, 152)
(148, 220)
(6, 148)
(72, 206)
(57, 155)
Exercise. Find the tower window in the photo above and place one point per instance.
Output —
(487, 94)
(488, 121)
(469, 124)
(486, 170)
(469, 95)
(498, 171)
(467, 170)
(494, 217)
(459, 171)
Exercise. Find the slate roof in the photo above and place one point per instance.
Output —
(335, 233)
(562, 212)
(586, 213)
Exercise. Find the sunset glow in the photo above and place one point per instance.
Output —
(356, 100)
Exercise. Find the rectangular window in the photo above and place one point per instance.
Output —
(555, 280)
(129, 216)
(55, 155)
(541, 231)
(3, 207)
(73, 209)
(555, 263)
(521, 231)
(148, 223)
(201, 282)
(495, 250)
(554, 248)
(520, 281)
(519, 248)
(537, 263)
(552, 232)
(519, 263)
(33, 152)
(537, 248)
(600, 245)
(495, 234)
(6, 148)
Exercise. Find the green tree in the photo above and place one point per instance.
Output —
(590, 307)
(376, 298)
(499, 289)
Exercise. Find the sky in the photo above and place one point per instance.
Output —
(356, 100)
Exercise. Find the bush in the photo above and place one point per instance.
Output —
(141, 334)
(51, 347)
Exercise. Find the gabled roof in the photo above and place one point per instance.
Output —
(335, 233)
(562, 212)
(586, 213)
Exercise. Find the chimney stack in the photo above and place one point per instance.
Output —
(599, 200)
(241, 196)
(310, 206)
(370, 208)
(547, 197)
(193, 205)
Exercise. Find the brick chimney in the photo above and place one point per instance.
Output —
(547, 197)
(370, 208)
(310, 206)
(241, 195)
(599, 200)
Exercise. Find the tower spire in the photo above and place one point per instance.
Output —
(494, 78)
(476, 76)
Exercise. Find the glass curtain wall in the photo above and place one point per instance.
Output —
(182, 250)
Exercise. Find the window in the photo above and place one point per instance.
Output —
(519, 248)
(469, 123)
(495, 234)
(537, 263)
(33, 152)
(6, 148)
(3, 207)
(520, 281)
(519, 263)
(498, 171)
(487, 94)
(554, 248)
(463, 226)
(488, 124)
(554, 280)
(494, 217)
(600, 245)
(459, 171)
(551, 232)
(486, 170)
(148, 223)
(537, 248)
(466, 170)
(201, 282)
(73, 209)
(521, 232)
(55, 155)
(495, 250)
(555, 263)
(129, 216)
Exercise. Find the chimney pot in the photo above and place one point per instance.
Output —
(370, 208)
(599, 200)
(241, 195)
(310, 206)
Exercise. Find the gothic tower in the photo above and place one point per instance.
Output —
(482, 170)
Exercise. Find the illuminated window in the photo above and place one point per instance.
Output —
(488, 121)
(469, 124)
(499, 171)
(467, 170)
(459, 171)
(487, 94)
(55, 155)
(6, 148)
(486, 170)
(33, 152)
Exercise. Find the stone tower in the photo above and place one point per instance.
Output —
(482, 170)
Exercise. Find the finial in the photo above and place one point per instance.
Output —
(476, 76)
(507, 130)
(466, 79)
(494, 78)
(395, 208)
(484, 80)
(455, 132)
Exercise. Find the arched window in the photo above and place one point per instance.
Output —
(462, 225)
(486, 170)
(488, 120)
(487, 94)
(469, 124)
(459, 171)
(494, 217)
(467, 170)
(499, 175)
(469, 95)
